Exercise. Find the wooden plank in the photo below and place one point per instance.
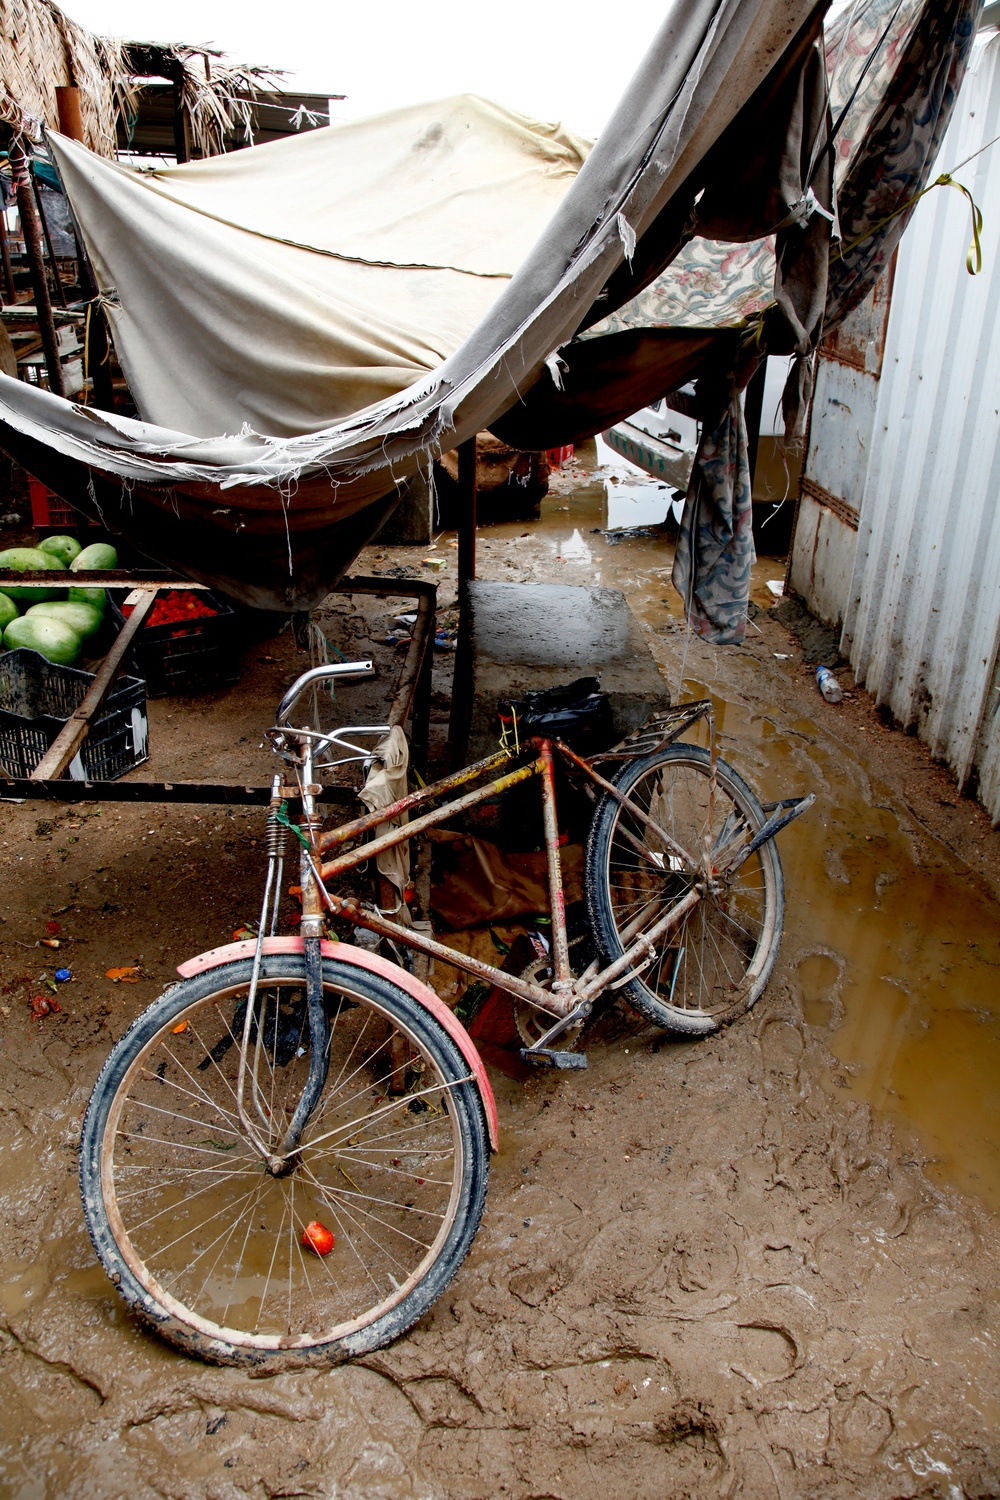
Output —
(64, 747)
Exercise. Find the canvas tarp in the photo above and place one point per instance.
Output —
(723, 136)
(262, 516)
(286, 287)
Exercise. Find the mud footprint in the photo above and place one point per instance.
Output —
(819, 974)
(781, 1046)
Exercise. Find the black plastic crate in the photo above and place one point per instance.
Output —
(36, 699)
(185, 657)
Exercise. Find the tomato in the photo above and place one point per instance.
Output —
(317, 1237)
(176, 607)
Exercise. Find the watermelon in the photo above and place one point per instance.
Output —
(8, 612)
(85, 619)
(97, 597)
(97, 555)
(52, 639)
(30, 560)
(62, 548)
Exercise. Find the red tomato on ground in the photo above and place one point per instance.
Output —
(317, 1237)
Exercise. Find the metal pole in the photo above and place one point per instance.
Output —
(753, 407)
(31, 231)
(466, 513)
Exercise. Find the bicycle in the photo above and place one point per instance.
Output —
(285, 1159)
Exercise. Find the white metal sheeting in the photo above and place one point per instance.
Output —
(922, 620)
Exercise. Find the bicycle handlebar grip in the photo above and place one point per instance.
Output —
(317, 674)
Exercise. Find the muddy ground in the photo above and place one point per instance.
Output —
(761, 1265)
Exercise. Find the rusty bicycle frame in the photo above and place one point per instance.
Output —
(569, 1000)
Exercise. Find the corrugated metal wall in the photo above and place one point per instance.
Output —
(922, 619)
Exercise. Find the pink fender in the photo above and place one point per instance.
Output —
(362, 959)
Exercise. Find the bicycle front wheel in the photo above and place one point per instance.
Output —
(716, 962)
(349, 1247)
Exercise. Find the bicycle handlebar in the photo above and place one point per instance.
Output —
(318, 674)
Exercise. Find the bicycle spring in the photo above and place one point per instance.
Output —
(275, 837)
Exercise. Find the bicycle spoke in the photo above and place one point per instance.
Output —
(712, 958)
(208, 1226)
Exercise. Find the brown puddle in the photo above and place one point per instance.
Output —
(894, 947)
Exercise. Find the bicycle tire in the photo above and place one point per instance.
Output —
(715, 965)
(404, 1211)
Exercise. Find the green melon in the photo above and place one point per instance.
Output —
(30, 560)
(8, 612)
(97, 597)
(85, 619)
(52, 639)
(62, 548)
(97, 555)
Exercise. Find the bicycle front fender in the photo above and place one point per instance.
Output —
(347, 953)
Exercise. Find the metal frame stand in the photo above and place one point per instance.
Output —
(48, 782)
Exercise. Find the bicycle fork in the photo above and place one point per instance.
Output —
(281, 1160)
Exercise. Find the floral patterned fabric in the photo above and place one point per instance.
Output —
(713, 285)
(885, 151)
(709, 285)
(900, 149)
(850, 41)
(715, 549)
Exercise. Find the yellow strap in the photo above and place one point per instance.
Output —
(975, 252)
(974, 258)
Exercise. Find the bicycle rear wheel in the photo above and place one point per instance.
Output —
(715, 964)
(199, 1236)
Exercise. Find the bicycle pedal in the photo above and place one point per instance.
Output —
(548, 1057)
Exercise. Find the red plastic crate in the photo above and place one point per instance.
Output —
(49, 510)
(559, 456)
(182, 657)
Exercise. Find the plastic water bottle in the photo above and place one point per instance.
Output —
(828, 685)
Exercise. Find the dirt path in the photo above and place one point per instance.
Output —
(741, 1267)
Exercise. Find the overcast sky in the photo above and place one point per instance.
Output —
(556, 61)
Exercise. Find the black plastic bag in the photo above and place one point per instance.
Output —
(577, 713)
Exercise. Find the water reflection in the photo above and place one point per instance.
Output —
(894, 948)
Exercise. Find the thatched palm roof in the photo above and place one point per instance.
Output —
(41, 49)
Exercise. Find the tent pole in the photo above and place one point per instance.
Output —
(466, 513)
(753, 408)
(182, 141)
(31, 231)
(96, 334)
(8, 269)
(57, 285)
(70, 114)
